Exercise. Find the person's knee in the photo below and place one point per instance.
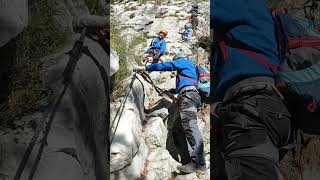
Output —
(162, 59)
(149, 59)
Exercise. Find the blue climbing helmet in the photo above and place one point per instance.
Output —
(179, 55)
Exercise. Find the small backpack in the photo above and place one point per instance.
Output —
(203, 83)
(298, 76)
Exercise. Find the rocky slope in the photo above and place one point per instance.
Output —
(142, 147)
(76, 145)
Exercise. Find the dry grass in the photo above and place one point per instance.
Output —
(39, 39)
(125, 51)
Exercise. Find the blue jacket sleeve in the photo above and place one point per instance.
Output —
(227, 13)
(165, 66)
(163, 47)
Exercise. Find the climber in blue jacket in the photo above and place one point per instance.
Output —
(157, 48)
(187, 34)
(189, 102)
(252, 120)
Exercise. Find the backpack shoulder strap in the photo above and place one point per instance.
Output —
(190, 79)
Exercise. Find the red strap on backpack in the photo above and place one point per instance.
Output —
(204, 75)
(279, 10)
(224, 50)
(304, 42)
(190, 79)
(260, 59)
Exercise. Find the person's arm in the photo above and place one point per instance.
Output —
(163, 47)
(146, 51)
(165, 66)
(150, 46)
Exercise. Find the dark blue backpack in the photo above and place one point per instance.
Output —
(298, 76)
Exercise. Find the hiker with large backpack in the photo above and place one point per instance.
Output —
(157, 48)
(189, 102)
(251, 119)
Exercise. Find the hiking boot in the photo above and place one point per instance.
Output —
(191, 167)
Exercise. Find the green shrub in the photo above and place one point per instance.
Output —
(91, 5)
(136, 41)
(120, 46)
(125, 51)
(40, 38)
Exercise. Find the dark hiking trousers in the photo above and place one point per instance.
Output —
(186, 129)
(254, 123)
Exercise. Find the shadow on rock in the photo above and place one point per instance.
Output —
(176, 140)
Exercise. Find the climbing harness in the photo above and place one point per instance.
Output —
(75, 55)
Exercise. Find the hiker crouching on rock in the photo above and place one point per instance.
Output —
(157, 48)
(187, 34)
(251, 119)
(189, 102)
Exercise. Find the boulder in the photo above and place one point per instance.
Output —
(155, 140)
(114, 62)
(13, 19)
(76, 144)
(126, 140)
(80, 120)
(160, 165)
(136, 167)
(127, 135)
